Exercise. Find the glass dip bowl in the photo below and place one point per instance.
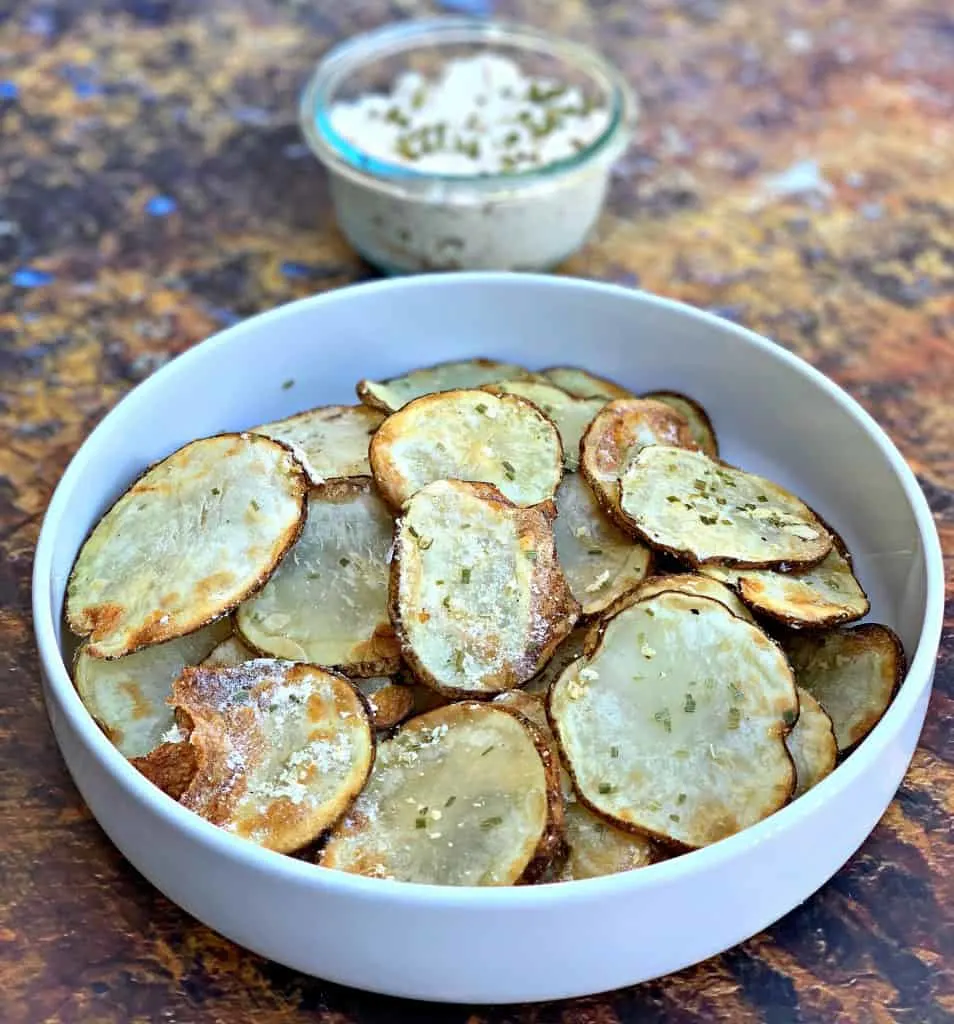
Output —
(404, 219)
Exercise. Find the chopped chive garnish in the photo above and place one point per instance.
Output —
(484, 753)
(595, 551)
(690, 704)
(343, 562)
(664, 719)
(614, 751)
(509, 471)
(449, 802)
(465, 575)
(216, 491)
(488, 823)
(255, 505)
(606, 787)
(735, 718)
(420, 822)
(681, 799)
(288, 384)
(790, 717)
(481, 408)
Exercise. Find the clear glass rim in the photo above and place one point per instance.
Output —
(336, 152)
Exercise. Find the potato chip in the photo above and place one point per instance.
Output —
(592, 846)
(194, 536)
(282, 749)
(704, 511)
(826, 594)
(477, 595)
(701, 586)
(329, 442)
(853, 673)
(468, 435)
(811, 744)
(674, 724)
(568, 650)
(584, 384)
(394, 394)
(328, 601)
(231, 652)
(700, 426)
(465, 795)
(617, 433)
(570, 415)
(128, 696)
(389, 701)
(600, 562)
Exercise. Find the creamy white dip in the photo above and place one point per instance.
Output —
(469, 137)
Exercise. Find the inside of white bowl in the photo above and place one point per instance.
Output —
(772, 414)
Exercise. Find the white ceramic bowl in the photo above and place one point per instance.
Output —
(774, 414)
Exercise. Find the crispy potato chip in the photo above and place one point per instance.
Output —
(826, 594)
(811, 744)
(477, 595)
(584, 384)
(194, 536)
(171, 767)
(569, 650)
(231, 652)
(282, 749)
(570, 414)
(128, 696)
(674, 725)
(853, 673)
(390, 702)
(394, 394)
(701, 586)
(600, 562)
(704, 511)
(328, 601)
(468, 435)
(700, 426)
(614, 437)
(592, 846)
(465, 795)
(329, 442)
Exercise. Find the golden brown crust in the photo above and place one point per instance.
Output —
(702, 431)
(171, 766)
(553, 610)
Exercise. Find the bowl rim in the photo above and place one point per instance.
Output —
(348, 159)
(290, 870)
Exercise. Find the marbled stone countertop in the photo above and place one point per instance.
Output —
(795, 173)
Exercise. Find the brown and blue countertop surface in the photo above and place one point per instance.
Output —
(795, 173)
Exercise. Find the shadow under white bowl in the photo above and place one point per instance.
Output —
(774, 414)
